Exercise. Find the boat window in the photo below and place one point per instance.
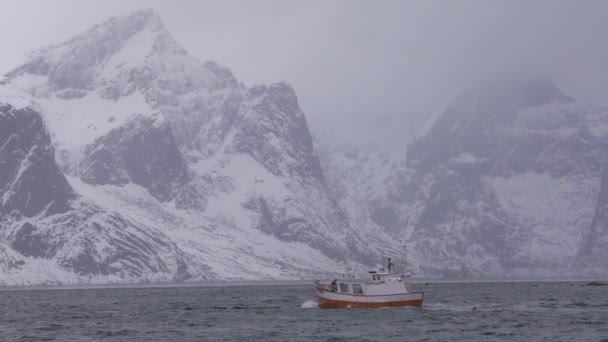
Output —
(357, 289)
(343, 288)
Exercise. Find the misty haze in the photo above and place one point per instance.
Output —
(153, 148)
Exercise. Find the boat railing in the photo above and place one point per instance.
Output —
(322, 287)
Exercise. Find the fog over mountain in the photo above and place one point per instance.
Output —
(130, 152)
(362, 69)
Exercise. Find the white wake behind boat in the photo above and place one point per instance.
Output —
(383, 289)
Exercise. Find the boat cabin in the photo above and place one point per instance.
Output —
(381, 283)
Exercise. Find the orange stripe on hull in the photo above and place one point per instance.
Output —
(325, 303)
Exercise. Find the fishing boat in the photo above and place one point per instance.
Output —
(384, 288)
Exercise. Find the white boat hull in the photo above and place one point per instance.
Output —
(328, 299)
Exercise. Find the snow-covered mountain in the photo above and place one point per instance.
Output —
(356, 175)
(164, 168)
(508, 182)
(125, 159)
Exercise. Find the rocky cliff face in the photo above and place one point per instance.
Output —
(44, 222)
(176, 170)
(144, 151)
(30, 182)
(592, 254)
(273, 130)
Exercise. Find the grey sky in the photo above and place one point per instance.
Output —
(355, 64)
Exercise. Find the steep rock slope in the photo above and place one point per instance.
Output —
(30, 181)
(593, 254)
(357, 177)
(44, 224)
(143, 151)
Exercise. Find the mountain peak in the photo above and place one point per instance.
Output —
(148, 16)
(135, 22)
(528, 91)
(113, 33)
(509, 93)
(118, 45)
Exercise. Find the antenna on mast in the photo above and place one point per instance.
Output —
(404, 253)
(404, 259)
(347, 256)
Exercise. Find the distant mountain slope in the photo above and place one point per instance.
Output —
(506, 183)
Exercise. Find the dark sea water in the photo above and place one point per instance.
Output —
(521, 311)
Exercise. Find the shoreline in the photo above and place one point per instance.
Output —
(270, 283)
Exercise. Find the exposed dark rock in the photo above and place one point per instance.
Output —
(30, 182)
(29, 242)
(9, 261)
(594, 249)
(143, 151)
(273, 130)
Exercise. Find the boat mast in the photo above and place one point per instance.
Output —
(404, 259)
(348, 244)
(404, 255)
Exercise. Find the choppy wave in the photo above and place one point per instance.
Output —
(448, 307)
(456, 312)
(310, 304)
